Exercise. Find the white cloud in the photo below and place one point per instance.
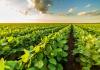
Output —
(89, 13)
(88, 5)
(70, 10)
(31, 3)
(10, 11)
(81, 13)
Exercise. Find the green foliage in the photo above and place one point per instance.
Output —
(2, 64)
(39, 64)
(11, 65)
(46, 46)
(51, 67)
(36, 47)
(87, 46)
(52, 61)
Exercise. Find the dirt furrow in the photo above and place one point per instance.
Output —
(71, 64)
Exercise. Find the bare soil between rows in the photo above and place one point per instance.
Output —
(71, 64)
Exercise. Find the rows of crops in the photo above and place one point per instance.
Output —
(87, 45)
(45, 46)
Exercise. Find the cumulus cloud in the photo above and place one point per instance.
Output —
(7, 11)
(70, 10)
(90, 13)
(88, 5)
(39, 5)
(42, 5)
(10, 11)
(82, 13)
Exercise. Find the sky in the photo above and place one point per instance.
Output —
(76, 7)
(59, 11)
(79, 5)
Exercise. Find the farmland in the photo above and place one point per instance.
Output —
(49, 46)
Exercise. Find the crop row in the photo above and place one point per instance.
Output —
(46, 55)
(46, 48)
(87, 47)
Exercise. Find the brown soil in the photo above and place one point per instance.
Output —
(71, 64)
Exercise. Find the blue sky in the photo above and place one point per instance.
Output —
(79, 5)
(60, 6)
